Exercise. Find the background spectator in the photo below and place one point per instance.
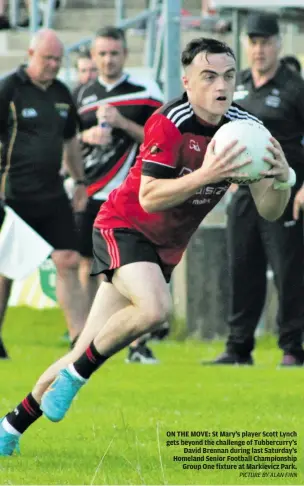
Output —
(86, 68)
(275, 95)
(38, 120)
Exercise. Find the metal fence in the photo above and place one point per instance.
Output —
(35, 13)
(162, 45)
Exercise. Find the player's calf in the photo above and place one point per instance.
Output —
(120, 330)
(15, 423)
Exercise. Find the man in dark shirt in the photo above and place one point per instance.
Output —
(144, 227)
(38, 121)
(86, 71)
(272, 92)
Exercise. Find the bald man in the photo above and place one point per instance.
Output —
(38, 123)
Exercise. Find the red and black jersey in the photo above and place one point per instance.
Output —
(106, 167)
(174, 145)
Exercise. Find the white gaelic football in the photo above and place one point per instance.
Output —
(255, 137)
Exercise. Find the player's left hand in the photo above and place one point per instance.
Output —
(279, 165)
(233, 188)
(80, 198)
(111, 115)
(298, 203)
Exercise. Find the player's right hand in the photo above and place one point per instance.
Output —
(216, 168)
(97, 136)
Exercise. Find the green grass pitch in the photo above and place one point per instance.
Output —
(116, 430)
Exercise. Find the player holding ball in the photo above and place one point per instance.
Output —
(143, 229)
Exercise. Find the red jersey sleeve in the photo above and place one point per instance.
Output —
(159, 150)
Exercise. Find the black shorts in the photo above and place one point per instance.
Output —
(84, 223)
(114, 248)
(53, 220)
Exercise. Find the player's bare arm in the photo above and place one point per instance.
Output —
(269, 200)
(74, 165)
(98, 135)
(133, 129)
(114, 118)
(160, 194)
(72, 158)
(95, 136)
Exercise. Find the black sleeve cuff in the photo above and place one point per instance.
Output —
(158, 171)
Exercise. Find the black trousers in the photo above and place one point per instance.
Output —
(253, 243)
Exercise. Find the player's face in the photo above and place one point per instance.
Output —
(210, 82)
(87, 70)
(109, 56)
(263, 53)
(46, 60)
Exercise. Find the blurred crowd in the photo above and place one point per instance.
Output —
(25, 12)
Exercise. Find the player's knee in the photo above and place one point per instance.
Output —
(66, 261)
(157, 314)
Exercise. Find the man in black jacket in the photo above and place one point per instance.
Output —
(38, 122)
(275, 95)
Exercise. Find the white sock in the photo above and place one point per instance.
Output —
(75, 373)
(9, 428)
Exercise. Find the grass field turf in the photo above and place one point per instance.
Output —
(115, 432)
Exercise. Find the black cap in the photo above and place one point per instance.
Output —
(262, 24)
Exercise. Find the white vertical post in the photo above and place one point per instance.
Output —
(119, 10)
(172, 48)
(13, 12)
(34, 15)
(151, 34)
(48, 14)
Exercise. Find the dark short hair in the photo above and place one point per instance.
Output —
(292, 60)
(84, 54)
(210, 46)
(112, 32)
